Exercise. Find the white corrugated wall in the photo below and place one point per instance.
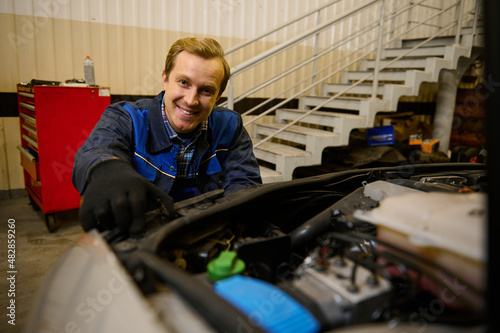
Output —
(127, 39)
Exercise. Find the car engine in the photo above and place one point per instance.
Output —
(360, 250)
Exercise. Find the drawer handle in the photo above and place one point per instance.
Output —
(29, 129)
(26, 153)
(29, 119)
(25, 94)
(27, 106)
(30, 140)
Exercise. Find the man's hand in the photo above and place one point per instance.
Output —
(118, 196)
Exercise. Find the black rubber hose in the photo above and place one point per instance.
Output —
(308, 231)
(321, 223)
(219, 313)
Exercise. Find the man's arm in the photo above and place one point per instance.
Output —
(111, 138)
(114, 194)
(241, 166)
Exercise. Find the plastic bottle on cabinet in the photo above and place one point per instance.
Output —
(88, 68)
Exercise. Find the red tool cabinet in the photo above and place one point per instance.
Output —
(54, 122)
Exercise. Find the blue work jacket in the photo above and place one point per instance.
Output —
(136, 133)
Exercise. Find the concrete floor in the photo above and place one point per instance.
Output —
(36, 250)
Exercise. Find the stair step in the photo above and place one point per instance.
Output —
(276, 149)
(285, 158)
(411, 63)
(341, 103)
(294, 133)
(270, 175)
(322, 118)
(432, 51)
(445, 40)
(479, 28)
(403, 77)
(360, 89)
(438, 41)
(382, 76)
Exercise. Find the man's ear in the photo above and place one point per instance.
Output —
(164, 79)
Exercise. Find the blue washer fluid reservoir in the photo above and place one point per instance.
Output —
(266, 305)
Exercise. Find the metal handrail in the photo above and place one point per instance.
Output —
(293, 41)
(283, 26)
(366, 77)
(284, 46)
(302, 64)
(379, 50)
(460, 9)
(335, 72)
(474, 25)
(459, 4)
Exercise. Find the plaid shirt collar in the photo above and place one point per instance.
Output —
(173, 134)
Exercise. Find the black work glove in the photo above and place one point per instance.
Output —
(118, 196)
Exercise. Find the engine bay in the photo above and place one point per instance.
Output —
(379, 246)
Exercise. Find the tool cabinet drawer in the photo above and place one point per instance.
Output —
(29, 163)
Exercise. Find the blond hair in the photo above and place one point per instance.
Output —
(202, 46)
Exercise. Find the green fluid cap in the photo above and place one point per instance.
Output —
(225, 265)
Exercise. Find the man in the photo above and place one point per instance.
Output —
(175, 146)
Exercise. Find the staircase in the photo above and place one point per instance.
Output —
(404, 69)
(285, 139)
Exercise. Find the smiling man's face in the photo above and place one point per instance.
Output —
(191, 90)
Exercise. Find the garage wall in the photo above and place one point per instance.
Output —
(128, 39)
